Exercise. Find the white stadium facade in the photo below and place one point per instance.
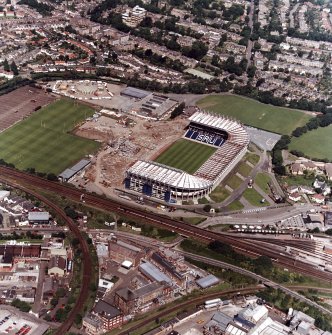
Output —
(173, 185)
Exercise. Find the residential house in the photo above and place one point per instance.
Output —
(318, 199)
(296, 169)
(296, 196)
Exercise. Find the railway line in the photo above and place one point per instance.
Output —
(196, 301)
(250, 247)
(87, 261)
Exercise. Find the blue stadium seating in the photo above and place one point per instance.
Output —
(205, 136)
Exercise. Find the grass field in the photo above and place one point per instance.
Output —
(315, 144)
(262, 180)
(244, 169)
(254, 198)
(43, 141)
(253, 113)
(252, 158)
(219, 194)
(234, 206)
(186, 155)
(233, 181)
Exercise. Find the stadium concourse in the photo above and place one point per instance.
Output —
(174, 185)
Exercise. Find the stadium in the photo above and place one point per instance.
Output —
(229, 141)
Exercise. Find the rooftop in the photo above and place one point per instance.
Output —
(106, 310)
(167, 175)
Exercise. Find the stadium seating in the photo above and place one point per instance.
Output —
(208, 136)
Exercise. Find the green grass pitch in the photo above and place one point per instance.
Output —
(43, 141)
(186, 155)
(315, 143)
(253, 113)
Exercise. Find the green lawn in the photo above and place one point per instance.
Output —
(234, 182)
(43, 141)
(186, 155)
(315, 144)
(275, 119)
(252, 158)
(234, 206)
(297, 180)
(244, 169)
(262, 180)
(219, 194)
(203, 201)
(254, 198)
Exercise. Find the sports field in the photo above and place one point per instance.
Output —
(186, 155)
(315, 143)
(253, 113)
(43, 141)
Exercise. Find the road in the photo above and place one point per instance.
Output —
(260, 216)
(250, 24)
(257, 277)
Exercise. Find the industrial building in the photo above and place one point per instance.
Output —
(121, 251)
(173, 185)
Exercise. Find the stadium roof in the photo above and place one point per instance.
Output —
(167, 175)
(235, 129)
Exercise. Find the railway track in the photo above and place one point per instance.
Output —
(197, 301)
(250, 247)
(86, 260)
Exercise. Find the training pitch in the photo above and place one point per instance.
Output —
(256, 114)
(43, 141)
(315, 143)
(186, 155)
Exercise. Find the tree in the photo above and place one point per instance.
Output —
(207, 208)
(14, 69)
(251, 71)
(21, 305)
(6, 66)
(54, 302)
(178, 110)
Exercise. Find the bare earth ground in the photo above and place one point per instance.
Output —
(124, 145)
(21, 103)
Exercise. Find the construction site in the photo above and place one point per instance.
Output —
(125, 139)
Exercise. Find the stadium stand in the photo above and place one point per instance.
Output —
(171, 185)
